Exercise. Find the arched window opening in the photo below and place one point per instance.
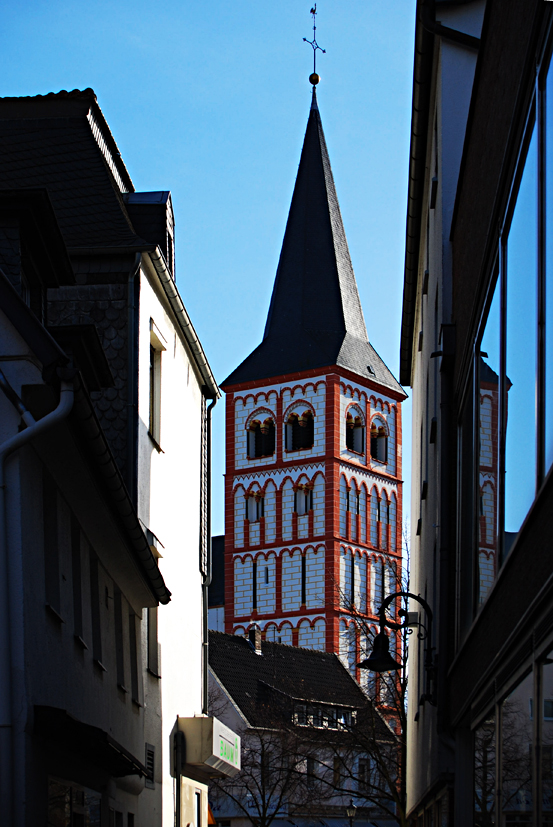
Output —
(303, 499)
(355, 434)
(300, 431)
(261, 438)
(255, 508)
(379, 443)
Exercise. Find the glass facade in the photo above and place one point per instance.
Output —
(511, 401)
(519, 275)
(488, 368)
(513, 754)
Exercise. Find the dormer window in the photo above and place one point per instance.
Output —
(355, 433)
(261, 438)
(379, 442)
(300, 431)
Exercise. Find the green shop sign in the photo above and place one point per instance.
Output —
(229, 751)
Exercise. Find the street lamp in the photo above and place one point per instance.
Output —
(380, 659)
(351, 810)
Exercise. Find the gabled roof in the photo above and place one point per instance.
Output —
(315, 318)
(252, 680)
(63, 143)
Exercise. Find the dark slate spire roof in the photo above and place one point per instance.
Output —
(315, 318)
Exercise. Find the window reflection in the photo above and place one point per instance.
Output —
(484, 774)
(549, 278)
(546, 738)
(516, 755)
(521, 352)
(488, 450)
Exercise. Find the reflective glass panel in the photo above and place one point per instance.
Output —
(546, 737)
(521, 344)
(549, 276)
(516, 754)
(465, 517)
(488, 441)
(484, 774)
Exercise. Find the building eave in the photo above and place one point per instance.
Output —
(210, 386)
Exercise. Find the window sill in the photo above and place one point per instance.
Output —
(296, 450)
(157, 446)
(122, 688)
(54, 613)
(153, 674)
(357, 453)
(263, 456)
(100, 665)
(136, 703)
(80, 641)
(379, 461)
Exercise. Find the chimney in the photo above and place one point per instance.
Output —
(254, 637)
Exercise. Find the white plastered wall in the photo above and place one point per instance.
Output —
(168, 504)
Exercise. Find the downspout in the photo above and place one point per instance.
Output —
(207, 579)
(12, 687)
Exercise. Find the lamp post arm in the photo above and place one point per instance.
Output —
(384, 621)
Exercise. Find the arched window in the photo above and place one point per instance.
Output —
(379, 442)
(300, 431)
(303, 499)
(255, 508)
(355, 433)
(261, 438)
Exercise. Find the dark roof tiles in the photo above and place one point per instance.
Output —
(302, 674)
(62, 155)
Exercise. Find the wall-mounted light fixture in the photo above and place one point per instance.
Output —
(380, 659)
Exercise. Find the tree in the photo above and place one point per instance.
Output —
(278, 770)
(382, 779)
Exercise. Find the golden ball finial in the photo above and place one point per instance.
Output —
(314, 78)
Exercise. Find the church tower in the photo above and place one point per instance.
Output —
(313, 486)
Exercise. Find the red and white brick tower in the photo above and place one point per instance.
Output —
(313, 427)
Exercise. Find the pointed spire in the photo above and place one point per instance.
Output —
(315, 318)
(314, 104)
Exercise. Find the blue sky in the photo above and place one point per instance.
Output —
(210, 101)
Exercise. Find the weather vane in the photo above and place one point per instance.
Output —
(314, 78)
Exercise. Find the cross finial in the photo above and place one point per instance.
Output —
(314, 78)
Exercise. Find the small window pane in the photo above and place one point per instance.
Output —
(484, 774)
(465, 515)
(549, 277)
(516, 755)
(521, 344)
(546, 738)
(488, 450)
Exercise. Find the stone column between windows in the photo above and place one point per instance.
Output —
(332, 510)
